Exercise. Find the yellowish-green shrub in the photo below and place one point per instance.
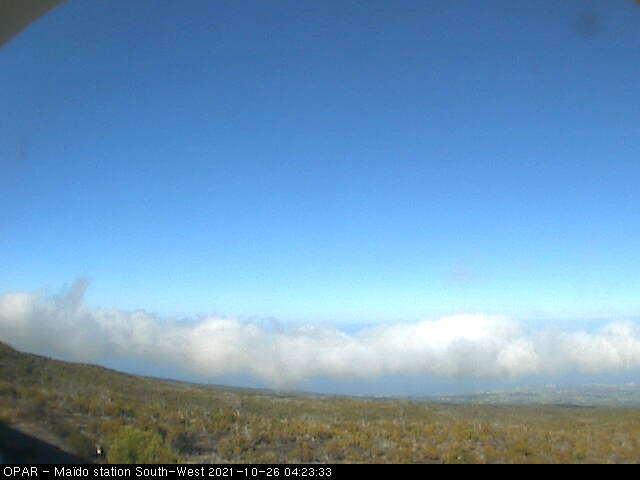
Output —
(131, 446)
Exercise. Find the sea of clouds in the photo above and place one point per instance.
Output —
(458, 346)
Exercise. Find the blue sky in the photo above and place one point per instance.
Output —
(326, 160)
(341, 162)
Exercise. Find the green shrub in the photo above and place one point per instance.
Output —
(302, 452)
(131, 445)
(234, 445)
(81, 445)
(183, 442)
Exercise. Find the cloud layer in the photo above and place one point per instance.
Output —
(463, 346)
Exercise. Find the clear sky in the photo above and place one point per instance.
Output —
(340, 162)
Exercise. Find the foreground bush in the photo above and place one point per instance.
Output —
(130, 445)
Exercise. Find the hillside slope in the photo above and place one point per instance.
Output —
(139, 419)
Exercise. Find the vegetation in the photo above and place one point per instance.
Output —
(139, 420)
(130, 445)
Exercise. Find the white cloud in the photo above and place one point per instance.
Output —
(470, 346)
